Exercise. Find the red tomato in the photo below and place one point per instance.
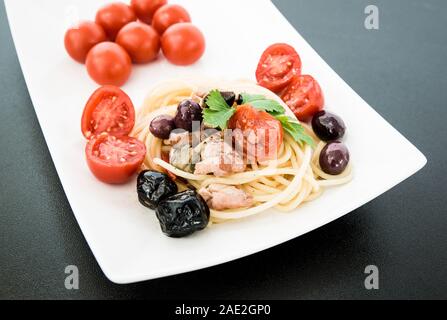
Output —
(263, 134)
(80, 38)
(183, 44)
(108, 110)
(278, 65)
(112, 17)
(145, 9)
(114, 160)
(168, 15)
(141, 41)
(304, 97)
(109, 63)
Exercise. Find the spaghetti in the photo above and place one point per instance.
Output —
(285, 183)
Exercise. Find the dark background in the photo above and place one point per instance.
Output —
(400, 70)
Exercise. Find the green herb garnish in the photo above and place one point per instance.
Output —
(218, 112)
(295, 129)
(260, 102)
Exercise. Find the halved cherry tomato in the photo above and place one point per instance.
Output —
(114, 160)
(263, 134)
(108, 110)
(183, 44)
(140, 41)
(278, 65)
(304, 97)
(109, 64)
(113, 16)
(80, 38)
(168, 15)
(145, 9)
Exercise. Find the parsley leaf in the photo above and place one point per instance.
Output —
(216, 102)
(218, 112)
(295, 129)
(218, 119)
(260, 102)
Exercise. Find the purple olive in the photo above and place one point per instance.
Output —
(334, 158)
(328, 126)
(162, 126)
(188, 111)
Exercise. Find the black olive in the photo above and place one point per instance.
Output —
(334, 158)
(239, 100)
(188, 111)
(229, 97)
(328, 126)
(183, 214)
(162, 126)
(152, 187)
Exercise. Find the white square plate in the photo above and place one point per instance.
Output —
(126, 238)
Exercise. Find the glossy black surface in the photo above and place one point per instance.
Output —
(328, 126)
(334, 158)
(400, 70)
(162, 126)
(153, 187)
(188, 111)
(183, 214)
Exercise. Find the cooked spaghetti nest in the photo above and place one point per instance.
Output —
(285, 183)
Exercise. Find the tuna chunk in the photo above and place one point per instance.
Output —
(178, 138)
(219, 159)
(222, 197)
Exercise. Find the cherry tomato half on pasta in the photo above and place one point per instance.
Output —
(140, 40)
(304, 97)
(268, 132)
(114, 160)
(169, 15)
(183, 44)
(80, 38)
(278, 65)
(109, 110)
(109, 64)
(145, 9)
(112, 17)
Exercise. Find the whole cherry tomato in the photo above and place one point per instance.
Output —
(169, 15)
(80, 38)
(112, 17)
(183, 44)
(145, 9)
(140, 40)
(109, 63)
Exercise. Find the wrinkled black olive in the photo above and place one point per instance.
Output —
(152, 187)
(183, 214)
(229, 97)
(162, 126)
(334, 158)
(328, 126)
(188, 111)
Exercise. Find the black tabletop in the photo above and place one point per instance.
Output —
(400, 70)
